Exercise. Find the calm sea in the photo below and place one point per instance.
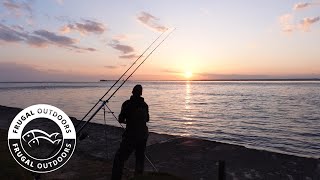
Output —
(275, 116)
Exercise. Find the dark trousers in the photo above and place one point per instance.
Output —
(127, 146)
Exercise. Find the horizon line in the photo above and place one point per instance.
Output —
(251, 79)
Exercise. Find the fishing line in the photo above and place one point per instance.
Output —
(106, 101)
(103, 104)
(119, 79)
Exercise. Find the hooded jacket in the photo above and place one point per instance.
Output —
(135, 114)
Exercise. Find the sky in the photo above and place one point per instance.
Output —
(80, 40)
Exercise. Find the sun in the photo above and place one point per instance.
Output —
(188, 74)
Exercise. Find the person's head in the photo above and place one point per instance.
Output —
(137, 90)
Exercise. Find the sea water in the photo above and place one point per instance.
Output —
(280, 116)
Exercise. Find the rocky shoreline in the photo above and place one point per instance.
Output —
(183, 157)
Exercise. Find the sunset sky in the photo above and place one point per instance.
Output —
(81, 40)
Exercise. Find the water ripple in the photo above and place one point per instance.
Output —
(276, 116)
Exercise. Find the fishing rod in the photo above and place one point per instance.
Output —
(119, 79)
(36, 175)
(107, 100)
(103, 104)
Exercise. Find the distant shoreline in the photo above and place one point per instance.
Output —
(298, 79)
(213, 80)
(315, 79)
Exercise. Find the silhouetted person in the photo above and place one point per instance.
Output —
(135, 114)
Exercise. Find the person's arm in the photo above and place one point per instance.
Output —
(147, 118)
(123, 113)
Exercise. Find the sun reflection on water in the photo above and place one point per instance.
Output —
(188, 96)
(255, 114)
(187, 105)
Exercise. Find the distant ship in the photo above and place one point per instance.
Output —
(103, 80)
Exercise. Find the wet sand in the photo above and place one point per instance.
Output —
(187, 158)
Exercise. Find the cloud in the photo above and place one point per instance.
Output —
(18, 8)
(10, 35)
(90, 49)
(15, 72)
(301, 5)
(151, 22)
(128, 52)
(57, 39)
(216, 76)
(171, 71)
(129, 56)
(17, 27)
(61, 41)
(125, 49)
(286, 23)
(210, 76)
(86, 27)
(111, 67)
(307, 22)
(37, 41)
(233, 76)
(39, 38)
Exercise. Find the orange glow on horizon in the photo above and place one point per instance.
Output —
(188, 74)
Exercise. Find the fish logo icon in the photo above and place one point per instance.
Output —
(42, 138)
(34, 136)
